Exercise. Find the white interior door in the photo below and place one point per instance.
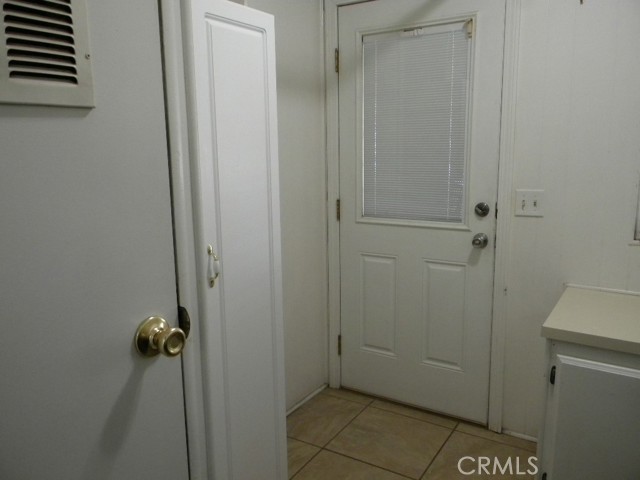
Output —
(419, 96)
(234, 127)
(86, 254)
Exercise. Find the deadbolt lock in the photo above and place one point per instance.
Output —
(482, 209)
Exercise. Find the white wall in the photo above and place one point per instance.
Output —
(578, 138)
(300, 73)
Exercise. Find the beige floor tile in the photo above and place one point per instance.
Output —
(348, 395)
(299, 454)
(415, 413)
(321, 418)
(445, 466)
(331, 466)
(391, 441)
(497, 437)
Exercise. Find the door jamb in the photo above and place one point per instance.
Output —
(185, 257)
(505, 207)
(505, 201)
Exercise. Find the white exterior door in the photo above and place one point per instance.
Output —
(419, 95)
(86, 254)
(231, 73)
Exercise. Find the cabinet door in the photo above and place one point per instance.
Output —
(592, 427)
(235, 157)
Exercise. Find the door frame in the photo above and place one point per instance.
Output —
(504, 206)
(194, 366)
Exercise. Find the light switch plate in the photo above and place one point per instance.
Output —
(529, 203)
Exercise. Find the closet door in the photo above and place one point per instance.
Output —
(231, 85)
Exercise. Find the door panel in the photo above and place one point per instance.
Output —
(378, 280)
(86, 254)
(415, 294)
(443, 320)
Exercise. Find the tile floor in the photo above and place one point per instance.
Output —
(340, 434)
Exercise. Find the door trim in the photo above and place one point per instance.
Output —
(183, 230)
(505, 200)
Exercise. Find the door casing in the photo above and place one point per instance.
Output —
(504, 205)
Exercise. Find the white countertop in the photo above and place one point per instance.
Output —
(606, 320)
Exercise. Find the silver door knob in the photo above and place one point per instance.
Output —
(480, 240)
(155, 336)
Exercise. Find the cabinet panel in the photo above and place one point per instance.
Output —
(592, 428)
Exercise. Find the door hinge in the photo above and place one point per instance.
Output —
(338, 209)
(184, 321)
(552, 375)
(339, 345)
(496, 210)
(337, 60)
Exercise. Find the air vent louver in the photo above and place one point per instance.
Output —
(45, 57)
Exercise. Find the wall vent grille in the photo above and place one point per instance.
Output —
(45, 59)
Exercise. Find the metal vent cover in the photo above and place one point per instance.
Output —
(44, 56)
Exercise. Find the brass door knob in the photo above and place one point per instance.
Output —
(155, 336)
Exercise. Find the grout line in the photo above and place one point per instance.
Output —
(329, 392)
(307, 462)
(437, 453)
(372, 399)
(457, 422)
(364, 407)
(378, 466)
(303, 441)
(494, 440)
(367, 463)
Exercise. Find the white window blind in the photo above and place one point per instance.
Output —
(415, 97)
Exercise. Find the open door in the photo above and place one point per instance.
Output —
(86, 254)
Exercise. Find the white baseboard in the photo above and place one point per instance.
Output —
(306, 399)
(520, 435)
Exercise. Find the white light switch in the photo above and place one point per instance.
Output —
(529, 203)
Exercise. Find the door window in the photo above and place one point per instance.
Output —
(415, 98)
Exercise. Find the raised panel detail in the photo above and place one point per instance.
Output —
(443, 313)
(378, 303)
